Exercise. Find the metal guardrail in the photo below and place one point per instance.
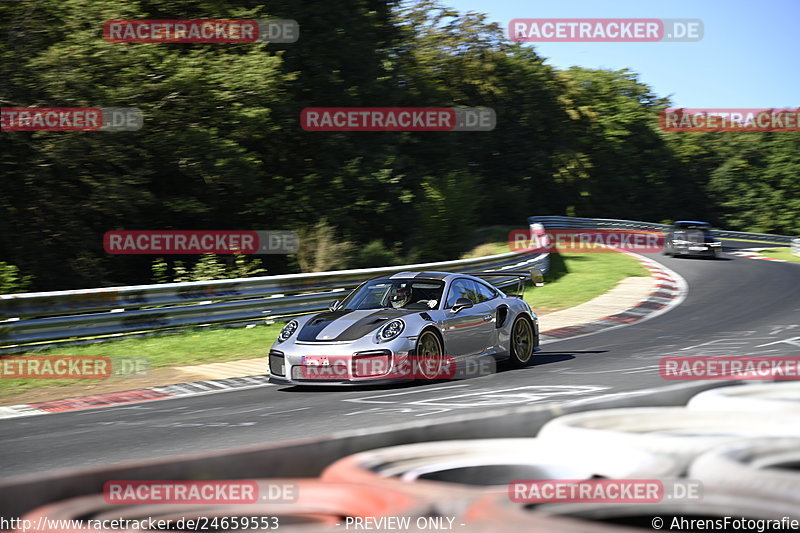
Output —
(600, 223)
(49, 317)
(55, 317)
(796, 246)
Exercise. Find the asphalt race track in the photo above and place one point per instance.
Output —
(735, 306)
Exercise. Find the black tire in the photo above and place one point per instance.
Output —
(522, 342)
(429, 348)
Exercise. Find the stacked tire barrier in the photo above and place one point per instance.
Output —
(746, 461)
(751, 399)
(625, 517)
(471, 468)
(677, 432)
(741, 443)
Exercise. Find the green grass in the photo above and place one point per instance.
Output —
(185, 348)
(577, 278)
(573, 278)
(782, 253)
(746, 240)
(180, 349)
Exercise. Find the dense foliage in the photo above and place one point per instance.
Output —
(222, 147)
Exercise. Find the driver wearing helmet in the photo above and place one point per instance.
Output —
(401, 296)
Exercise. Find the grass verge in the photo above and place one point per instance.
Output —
(577, 278)
(573, 278)
(782, 253)
(187, 348)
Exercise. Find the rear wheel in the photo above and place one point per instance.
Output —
(522, 341)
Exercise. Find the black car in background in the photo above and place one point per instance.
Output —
(691, 238)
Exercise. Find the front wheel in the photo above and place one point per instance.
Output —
(522, 341)
(430, 355)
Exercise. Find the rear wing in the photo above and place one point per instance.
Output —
(535, 275)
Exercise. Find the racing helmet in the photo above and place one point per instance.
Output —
(400, 296)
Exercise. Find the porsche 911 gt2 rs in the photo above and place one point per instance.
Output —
(390, 320)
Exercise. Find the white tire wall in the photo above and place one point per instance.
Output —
(619, 517)
(459, 471)
(771, 398)
(676, 431)
(768, 468)
(641, 515)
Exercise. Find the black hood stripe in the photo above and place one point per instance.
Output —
(364, 326)
(368, 324)
(312, 328)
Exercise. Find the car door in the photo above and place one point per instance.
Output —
(489, 300)
(467, 331)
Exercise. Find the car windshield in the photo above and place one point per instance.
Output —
(693, 235)
(396, 294)
(693, 226)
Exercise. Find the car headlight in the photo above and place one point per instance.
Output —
(288, 330)
(391, 330)
(714, 243)
(680, 242)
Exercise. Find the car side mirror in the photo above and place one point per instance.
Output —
(335, 305)
(537, 277)
(461, 303)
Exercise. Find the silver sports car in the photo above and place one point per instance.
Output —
(409, 325)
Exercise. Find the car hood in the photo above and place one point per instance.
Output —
(346, 324)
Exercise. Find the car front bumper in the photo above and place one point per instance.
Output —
(699, 251)
(321, 364)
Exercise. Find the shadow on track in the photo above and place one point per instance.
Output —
(539, 359)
